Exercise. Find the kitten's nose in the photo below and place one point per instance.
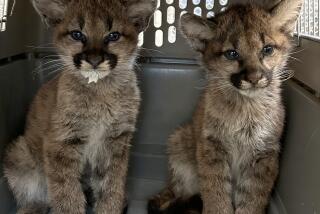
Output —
(94, 60)
(253, 77)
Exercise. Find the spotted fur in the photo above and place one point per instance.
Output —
(229, 152)
(71, 123)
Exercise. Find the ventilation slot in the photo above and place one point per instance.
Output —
(169, 1)
(209, 4)
(197, 11)
(159, 38)
(171, 13)
(157, 19)
(210, 14)
(223, 2)
(163, 34)
(183, 4)
(141, 39)
(3, 14)
(308, 24)
(172, 34)
(196, 2)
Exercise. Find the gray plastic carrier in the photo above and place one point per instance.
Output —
(171, 82)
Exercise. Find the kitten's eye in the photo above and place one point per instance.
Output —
(231, 55)
(268, 50)
(77, 35)
(112, 37)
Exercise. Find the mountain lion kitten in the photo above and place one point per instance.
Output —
(87, 114)
(229, 153)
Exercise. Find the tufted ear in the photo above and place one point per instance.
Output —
(285, 14)
(51, 11)
(196, 30)
(140, 12)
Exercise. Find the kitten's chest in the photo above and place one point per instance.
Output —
(248, 129)
(109, 113)
(108, 121)
(103, 107)
(238, 135)
(248, 123)
(105, 122)
(246, 140)
(100, 102)
(240, 157)
(97, 136)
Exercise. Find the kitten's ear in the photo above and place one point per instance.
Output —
(140, 12)
(196, 30)
(51, 11)
(285, 14)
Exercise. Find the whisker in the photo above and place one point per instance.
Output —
(298, 60)
(56, 67)
(283, 75)
(56, 55)
(299, 51)
(49, 62)
(51, 73)
(50, 66)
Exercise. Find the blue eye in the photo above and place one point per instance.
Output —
(78, 36)
(231, 55)
(112, 37)
(268, 50)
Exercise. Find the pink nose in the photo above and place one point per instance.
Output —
(254, 77)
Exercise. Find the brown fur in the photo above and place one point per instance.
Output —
(71, 122)
(229, 153)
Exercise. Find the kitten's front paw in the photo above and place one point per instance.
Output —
(154, 205)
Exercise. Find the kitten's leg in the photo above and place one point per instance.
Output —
(214, 177)
(162, 201)
(63, 168)
(86, 185)
(34, 209)
(183, 181)
(192, 205)
(110, 173)
(26, 178)
(167, 203)
(255, 184)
